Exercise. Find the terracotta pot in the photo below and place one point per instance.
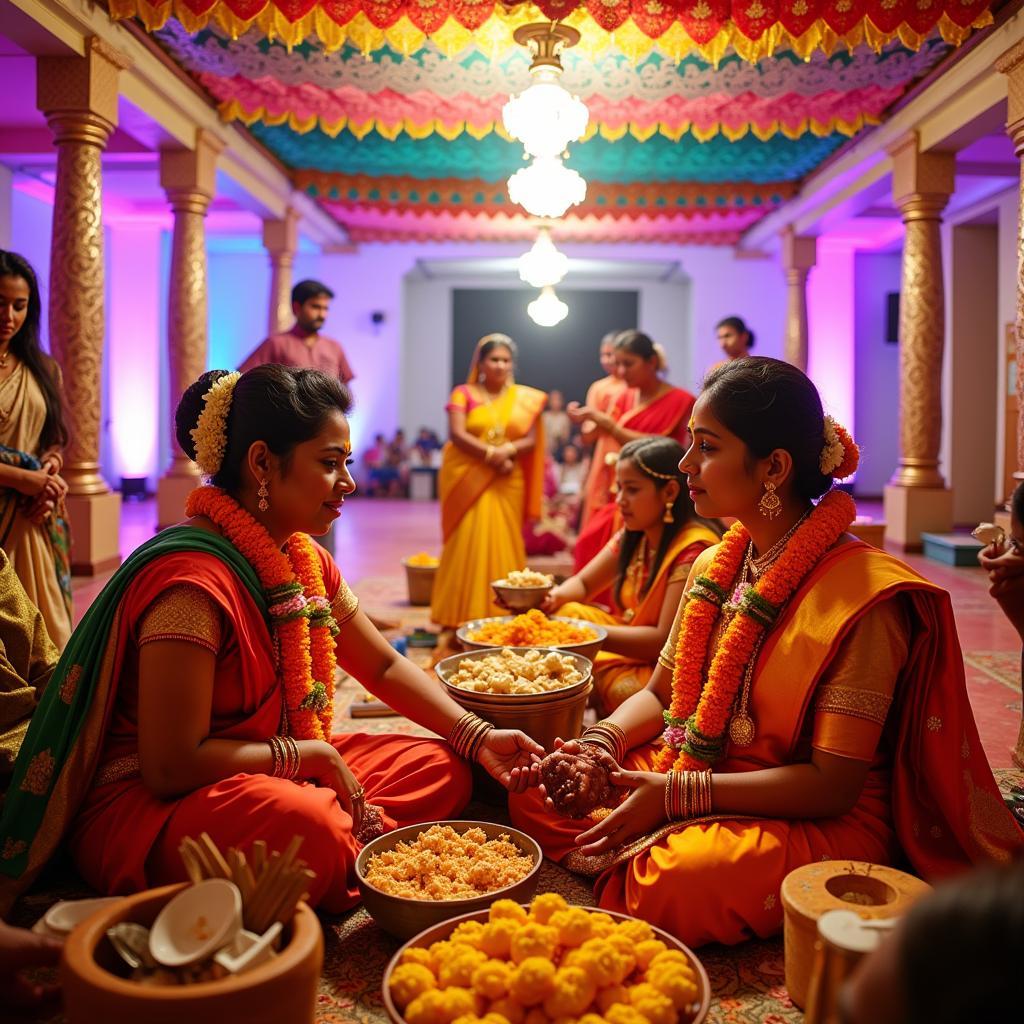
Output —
(282, 989)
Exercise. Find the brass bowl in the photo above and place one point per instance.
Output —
(521, 599)
(589, 648)
(283, 988)
(439, 932)
(404, 917)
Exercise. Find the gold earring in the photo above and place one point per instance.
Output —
(769, 506)
(263, 495)
(668, 517)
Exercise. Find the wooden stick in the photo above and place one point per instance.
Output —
(264, 888)
(201, 856)
(259, 858)
(216, 857)
(238, 866)
(299, 890)
(192, 866)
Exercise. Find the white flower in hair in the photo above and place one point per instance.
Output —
(210, 433)
(833, 453)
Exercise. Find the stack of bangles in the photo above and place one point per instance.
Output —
(467, 735)
(687, 795)
(609, 737)
(287, 759)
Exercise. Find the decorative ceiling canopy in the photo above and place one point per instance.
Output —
(754, 28)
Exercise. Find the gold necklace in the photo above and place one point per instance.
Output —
(636, 573)
(760, 565)
(495, 434)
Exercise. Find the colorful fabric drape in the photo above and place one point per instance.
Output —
(483, 511)
(929, 791)
(677, 26)
(617, 676)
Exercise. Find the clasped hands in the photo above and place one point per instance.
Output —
(501, 457)
(44, 488)
(1005, 567)
(642, 810)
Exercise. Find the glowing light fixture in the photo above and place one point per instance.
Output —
(545, 117)
(547, 309)
(546, 188)
(543, 264)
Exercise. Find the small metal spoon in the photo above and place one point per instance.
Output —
(131, 942)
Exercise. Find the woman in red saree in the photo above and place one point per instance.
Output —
(197, 694)
(650, 407)
(491, 482)
(645, 564)
(813, 693)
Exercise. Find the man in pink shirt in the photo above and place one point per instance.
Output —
(304, 345)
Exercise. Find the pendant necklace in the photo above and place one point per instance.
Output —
(495, 433)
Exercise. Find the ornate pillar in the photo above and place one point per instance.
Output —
(799, 254)
(79, 95)
(1011, 64)
(916, 499)
(280, 238)
(188, 178)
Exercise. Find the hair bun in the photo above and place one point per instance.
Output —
(186, 416)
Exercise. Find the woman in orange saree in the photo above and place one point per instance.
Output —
(197, 694)
(649, 408)
(645, 564)
(810, 704)
(491, 482)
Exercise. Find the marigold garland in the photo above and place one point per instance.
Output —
(699, 713)
(300, 612)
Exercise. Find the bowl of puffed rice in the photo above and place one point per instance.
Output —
(523, 589)
(559, 962)
(540, 691)
(420, 875)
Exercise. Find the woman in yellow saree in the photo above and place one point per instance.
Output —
(645, 564)
(810, 705)
(491, 482)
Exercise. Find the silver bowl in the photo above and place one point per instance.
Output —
(588, 649)
(521, 599)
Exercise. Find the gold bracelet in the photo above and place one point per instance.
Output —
(276, 756)
(612, 735)
(467, 735)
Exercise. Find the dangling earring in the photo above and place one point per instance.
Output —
(263, 495)
(668, 517)
(769, 506)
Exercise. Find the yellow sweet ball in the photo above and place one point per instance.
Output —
(458, 969)
(533, 940)
(612, 996)
(546, 904)
(428, 1008)
(645, 952)
(670, 956)
(591, 1018)
(532, 981)
(601, 960)
(574, 991)
(573, 926)
(409, 980)
(501, 909)
(508, 1008)
(601, 924)
(623, 1014)
(636, 931)
(458, 1001)
(654, 1005)
(418, 955)
(468, 932)
(676, 981)
(440, 953)
(492, 978)
(496, 937)
(487, 1018)
(624, 948)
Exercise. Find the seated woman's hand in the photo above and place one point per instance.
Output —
(511, 757)
(641, 812)
(1001, 563)
(21, 950)
(322, 764)
(576, 778)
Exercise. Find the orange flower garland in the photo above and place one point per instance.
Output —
(699, 713)
(301, 619)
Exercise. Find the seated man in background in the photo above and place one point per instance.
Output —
(27, 660)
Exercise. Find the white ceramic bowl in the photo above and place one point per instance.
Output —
(196, 923)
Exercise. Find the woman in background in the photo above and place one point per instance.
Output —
(645, 564)
(33, 530)
(491, 482)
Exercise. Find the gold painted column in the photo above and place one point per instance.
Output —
(188, 178)
(280, 238)
(1011, 64)
(79, 97)
(916, 498)
(799, 254)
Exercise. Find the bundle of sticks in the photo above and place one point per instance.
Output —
(271, 884)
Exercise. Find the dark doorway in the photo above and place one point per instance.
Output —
(563, 357)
